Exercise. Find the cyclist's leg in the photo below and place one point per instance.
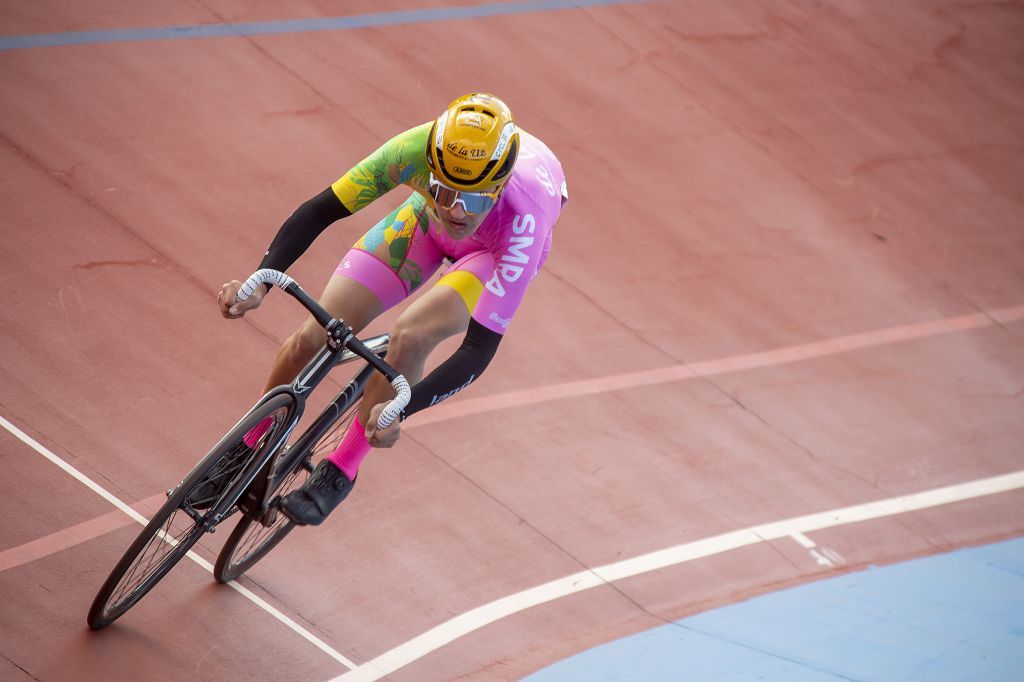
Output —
(442, 312)
(344, 298)
(393, 259)
(439, 313)
(431, 319)
(381, 269)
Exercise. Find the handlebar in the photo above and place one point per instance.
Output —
(403, 392)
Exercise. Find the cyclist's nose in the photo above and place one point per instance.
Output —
(456, 212)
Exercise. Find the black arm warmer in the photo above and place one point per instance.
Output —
(302, 228)
(457, 372)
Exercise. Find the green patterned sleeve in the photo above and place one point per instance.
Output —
(399, 161)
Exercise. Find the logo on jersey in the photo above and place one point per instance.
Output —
(512, 264)
(503, 321)
(544, 177)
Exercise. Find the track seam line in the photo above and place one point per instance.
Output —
(297, 26)
(72, 536)
(112, 499)
(785, 355)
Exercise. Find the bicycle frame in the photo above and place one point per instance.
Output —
(148, 558)
(333, 353)
(341, 346)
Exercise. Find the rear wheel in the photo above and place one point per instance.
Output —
(253, 538)
(186, 515)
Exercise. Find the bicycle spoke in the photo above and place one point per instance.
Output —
(223, 475)
(259, 533)
(329, 441)
(186, 517)
(252, 539)
(151, 558)
(128, 585)
(230, 469)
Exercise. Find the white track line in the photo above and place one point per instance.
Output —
(96, 488)
(473, 620)
(456, 627)
(804, 541)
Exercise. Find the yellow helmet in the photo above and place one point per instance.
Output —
(473, 145)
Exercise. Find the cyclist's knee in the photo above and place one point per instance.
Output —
(306, 341)
(410, 339)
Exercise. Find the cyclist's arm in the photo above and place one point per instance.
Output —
(519, 257)
(303, 226)
(464, 367)
(400, 160)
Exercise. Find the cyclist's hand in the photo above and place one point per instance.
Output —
(382, 438)
(231, 309)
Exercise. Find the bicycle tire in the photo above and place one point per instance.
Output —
(111, 603)
(251, 540)
(231, 564)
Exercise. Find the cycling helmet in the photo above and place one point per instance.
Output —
(473, 145)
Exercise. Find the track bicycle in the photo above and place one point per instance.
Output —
(251, 468)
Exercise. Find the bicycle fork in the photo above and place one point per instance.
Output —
(258, 501)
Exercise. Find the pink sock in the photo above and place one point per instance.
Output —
(256, 432)
(353, 448)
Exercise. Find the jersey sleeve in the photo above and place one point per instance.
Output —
(457, 372)
(399, 161)
(301, 229)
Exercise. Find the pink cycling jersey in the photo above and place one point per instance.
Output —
(515, 236)
(405, 248)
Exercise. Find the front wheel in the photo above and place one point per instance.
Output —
(186, 515)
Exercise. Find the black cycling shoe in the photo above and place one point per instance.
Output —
(319, 495)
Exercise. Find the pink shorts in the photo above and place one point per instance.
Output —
(407, 247)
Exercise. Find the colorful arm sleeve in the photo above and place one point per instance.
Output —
(400, 160)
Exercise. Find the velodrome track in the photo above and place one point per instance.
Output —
(780, 336)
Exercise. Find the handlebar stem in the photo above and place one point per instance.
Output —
(339, 336)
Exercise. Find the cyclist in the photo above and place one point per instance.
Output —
(485, 196)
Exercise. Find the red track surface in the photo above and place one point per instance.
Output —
(745, 178)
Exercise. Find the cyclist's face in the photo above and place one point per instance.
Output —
(457, 224)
